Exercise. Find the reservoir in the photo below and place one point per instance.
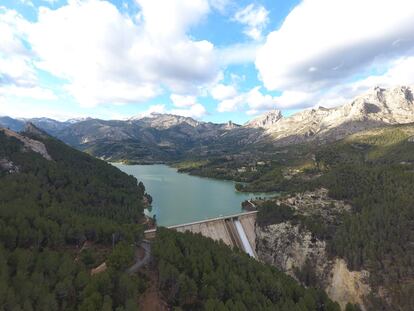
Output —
(181, 198)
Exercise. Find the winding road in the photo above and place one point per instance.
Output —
(139, 262)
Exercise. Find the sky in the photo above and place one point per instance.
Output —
(212, 60)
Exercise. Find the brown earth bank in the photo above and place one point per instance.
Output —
(151, 299)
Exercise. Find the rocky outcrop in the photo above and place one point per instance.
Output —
(8, 166)
(295, 250)
(287, 246)
(30, 144)
(265, 121)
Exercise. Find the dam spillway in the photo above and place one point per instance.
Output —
(235, 230)
(245, 242)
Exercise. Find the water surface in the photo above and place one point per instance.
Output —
(181, 198)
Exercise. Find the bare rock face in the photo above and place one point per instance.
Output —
(347, 286)
(8, 166)
(287, 247)
(30, 144)
(265, 121)
(292, 248)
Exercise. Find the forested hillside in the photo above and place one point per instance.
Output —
(197, 273)
(378, 179)
(50, 205)
(374, 172)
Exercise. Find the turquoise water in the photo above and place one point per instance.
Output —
(180, 198)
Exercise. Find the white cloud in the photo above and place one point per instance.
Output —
(255, 18)
(183, 100)
(108, 57)
(231, 104)
(254, 101)
(15, 60)
(221, 92)
(159, 108)
(220, 5)
(166, 19)
(33, 92)
(400, 72)
(195, 111)
(325, 42)
(187, 106)
(17, 75)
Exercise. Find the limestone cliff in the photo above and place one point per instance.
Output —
(29, 144)
(293, 249)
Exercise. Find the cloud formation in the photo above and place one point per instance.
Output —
(109, 57)
(222, 91)
(255, 101)
(325, 42)
(195, 111)
(324, 53)
(255, 18)
(17, 74)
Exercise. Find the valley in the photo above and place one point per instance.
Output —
(71, 227)
(206, 155)
(342, 220)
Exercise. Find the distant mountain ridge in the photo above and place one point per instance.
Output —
(377, 107)
(165, 137)
(49, 125)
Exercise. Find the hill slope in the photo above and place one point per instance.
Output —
(53, 199)
(371, 171)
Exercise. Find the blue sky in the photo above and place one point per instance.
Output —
(214, 60)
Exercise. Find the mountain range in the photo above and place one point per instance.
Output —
(164, 137)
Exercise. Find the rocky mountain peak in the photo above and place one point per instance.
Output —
(165, 121)
(230, 125)
(30, 128)
(377, 107)
(266, 120)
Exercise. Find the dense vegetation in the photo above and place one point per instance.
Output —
(196, 273)
(379, 235)
(260, 170)
(373, 171)
(48, 210)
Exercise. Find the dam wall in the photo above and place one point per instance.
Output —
(234, 230)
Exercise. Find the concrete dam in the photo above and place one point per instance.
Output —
(234, 230)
